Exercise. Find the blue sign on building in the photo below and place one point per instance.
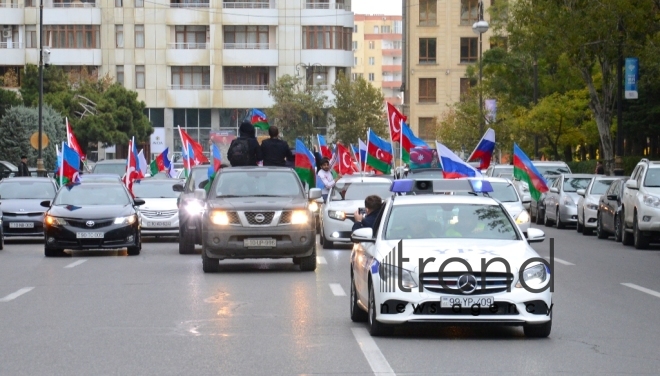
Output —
(632, 76)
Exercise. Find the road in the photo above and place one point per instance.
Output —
(104, 313)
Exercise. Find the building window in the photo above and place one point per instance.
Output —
(499, 42)
(427, 129)
(355, 28)
(427, 90)
(355, 61)
(139, 36)
(327, 38)
(120, 74)
(30, 3)
(316, 76)
(469, 12)
(427, 50)
(246, 37)
(466, 85)
(355, 76)
(189, 3)
(31, 37)
(139, 77)
(372, 61)
(191, 78)
(156, 116)
(340, 72)
(119, 36)
(372, 45)
(469, 50)
(139, 3)
(427, 12)
(398, 27)
(355, 45)
(246, 78)
(72, 36)
(191, 37)
(372, 77)
(385, 29)
(119, 3)
(317, 4)
(195, 121)
(376, 29)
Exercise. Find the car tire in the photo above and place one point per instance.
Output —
(133, 251)
(376, 329)
(539, 217)
(209, 265)
(357, 314)
(600, 232)
(296, 261)
(186, 242)
(308, 264)
(2, 242)
(325, 243)
(579, 227)
(538, 330)
(618, 226)
(53, 252)
(586, 231)
(641, 241)
(546, 221)
(560, 224)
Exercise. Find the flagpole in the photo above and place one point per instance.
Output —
(62, 166)
(366, 155)
(401, 145)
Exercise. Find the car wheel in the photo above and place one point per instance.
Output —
(296, 261)
(540, 217)
(586, 231)
(618, 225)
(580, 226)
(133, 251)
(209, 265)
(2, 242)
(600, 232)
(538, 330)
(641, 241)
(53, 252)
(376, 328)
(560, 224)
(325, 243)
(308, 264)
(357, 314)
(186, 242)
(626, 237)
(546, 220)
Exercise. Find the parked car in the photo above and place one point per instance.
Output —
(641, 205)
(110, 166)
(561, 201)
(7, 169)
(587, 204)
(609, 219)
(537, 208)
(20, 201)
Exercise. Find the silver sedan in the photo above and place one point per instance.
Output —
(561, 201)
(587, 205)
(159, 216)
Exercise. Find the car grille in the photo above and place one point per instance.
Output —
(233, 218)
(82, 223)
(23, 214)
(268, 218)
(158, 213)
(285, 218)
(495, 282)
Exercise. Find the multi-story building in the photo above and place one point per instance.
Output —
(439, 45)
(198, 64)
(377, 53)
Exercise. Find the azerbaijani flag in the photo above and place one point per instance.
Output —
(259, 119)
(421, 157)
(186, 161)
(216, 163)
(305, 164)
(454, 167)
(379, 153)
(484, 150)
(70, 163)
(161, 163)
(409, 141)
(323, 147)
(524, 170)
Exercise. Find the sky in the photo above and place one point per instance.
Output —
(385, 7)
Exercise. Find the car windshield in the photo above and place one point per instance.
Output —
(10, 165)
(600, 186)
(198, 179)
(23, 190)
(110, 168)
(81, 195)
(502, 170)
(652, 178)
(504, 192)
(258, 183)
(151, 190)
(359, 191)
(428, 174)
(100, 178)
(573, 184)
(552, 170)
(442, 221)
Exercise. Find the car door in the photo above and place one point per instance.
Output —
(628, 196)
(552, 199)
(364, 258)
(608, 207)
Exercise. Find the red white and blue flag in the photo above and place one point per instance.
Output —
(72, 141)
(454, 167)
(324, 149)
(484, 150)
(70, 165)
(216, 161)
(133, 172)
(195, 150)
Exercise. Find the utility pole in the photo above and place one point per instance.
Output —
(618, 161)
(536, 100)
(41, 171)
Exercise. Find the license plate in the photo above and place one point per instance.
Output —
(259, 242)
(466, 301)
(21, 225)
(89, 235)
(159, 224)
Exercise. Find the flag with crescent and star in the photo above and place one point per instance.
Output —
(395, 118)
(345, 164)
(379, 153)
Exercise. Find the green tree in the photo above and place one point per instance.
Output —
(8, 99)
(18, 125)
(298, 108)
(56, 83)
(358, 106)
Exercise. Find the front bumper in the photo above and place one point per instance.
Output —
(226, 242)
(114, 237)
(336, 230)
(37, 224)
(568, 214)
(590, 217)
(648, 218)
(159, 226)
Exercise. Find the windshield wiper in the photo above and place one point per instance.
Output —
(266, 196)
(230, 196)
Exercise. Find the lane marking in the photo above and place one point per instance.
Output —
(337, 289)
(321, 260)
(376, 359)
(642, 289)
(560, 261)
(16, 294)
(74, 264)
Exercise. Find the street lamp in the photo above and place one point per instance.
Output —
(479, 28)
(307, 66)
(41, 170)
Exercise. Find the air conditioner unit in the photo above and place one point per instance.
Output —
(6, 33)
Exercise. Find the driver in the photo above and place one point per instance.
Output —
(464, 225)
(415, 226)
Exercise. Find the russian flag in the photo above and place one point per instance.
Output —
(216, 158)
(484, 150)
(323, 147)
(70, 164)
(363, 151)
(452, 166)
(161, 163)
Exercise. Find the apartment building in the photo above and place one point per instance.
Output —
(378, 53)
(198, 64)
(439, 45)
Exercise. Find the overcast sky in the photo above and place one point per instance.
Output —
(386, 7)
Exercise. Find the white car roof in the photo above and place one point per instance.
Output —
(363, 179)
(444, 199)
(493, 179)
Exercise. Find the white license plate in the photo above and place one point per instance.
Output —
(89, 235)
(466, 301)
(159, 224)
(21, 225)
(259, 242)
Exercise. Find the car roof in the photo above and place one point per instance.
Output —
(443, 199)
(578, 175)
(111, 161)
(601, 177)
(363, 179)
(29, 178)
(414, 170)
(160, 181)
(494, 179)
(549, 163)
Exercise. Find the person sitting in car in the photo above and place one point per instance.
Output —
(372, 206)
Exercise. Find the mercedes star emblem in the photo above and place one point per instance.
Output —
(90, 223)
(259, 218)
(467, 283)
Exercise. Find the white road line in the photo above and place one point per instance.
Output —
(321, 260)
(74, 264)
(560, 261)
(642, 289)
(376, 359)
(337, 290)
(16, 294)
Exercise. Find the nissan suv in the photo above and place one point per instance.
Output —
(258, 212)
(641, 205)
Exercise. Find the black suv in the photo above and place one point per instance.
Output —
(258, 212)
(190, 209)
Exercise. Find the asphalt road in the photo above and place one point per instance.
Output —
(104, 313)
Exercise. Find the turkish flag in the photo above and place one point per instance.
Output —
(344, 160)
(394, 118)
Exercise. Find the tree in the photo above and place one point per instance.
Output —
(18, 125)
(298, 108)
(56, 83)
(8, 99)
(358, 106)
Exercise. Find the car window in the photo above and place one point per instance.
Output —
(429, 174)
(640, 174)
(151, 190)
(359, 191)
(600, 186)
(12, 190)
(110, 168)
(498, 171)
(258, 183)
(198, 175)
(652, 178)
(442, 221)
(611, 190)
(83, 195)
(552, 170)
(502, 191)
(633, 176)
(573, 184)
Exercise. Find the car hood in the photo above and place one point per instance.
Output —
(347, 206)
(516, 252)
(259, 203)
(159, 204)
(653, 190)
(91, 211)
(573, 195)
(592, 199)
(513, 208)
(22, 206)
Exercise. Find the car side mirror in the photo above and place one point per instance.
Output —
(45, 204)
(177, 187)
(535, 235)
(527, 199)
(200, 194)
(554, 190)
(612, 197)
(138, 202)
(580, 192)
(314, 194)
(632, 184)
(363, 235)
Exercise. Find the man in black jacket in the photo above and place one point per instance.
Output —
(23, 169)
(245, 150)
(372, 205)
(275, 150)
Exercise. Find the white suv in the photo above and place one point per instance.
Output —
(641, 205)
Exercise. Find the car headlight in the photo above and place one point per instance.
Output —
(54, 221)
(535, 275)
(651, 200)
(387, 271)
(568, 201)
(194, 207)
(299, 217)
(337, 214)
(314, 206)
(220, 218)
(126, 220)
(523, 217)
(592, 206)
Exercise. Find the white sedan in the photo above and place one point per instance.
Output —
(587, 205)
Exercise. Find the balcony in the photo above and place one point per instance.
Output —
(247, 46)
(326, 5)
(250, 57)
(11, 15)
(267, 4)
(61, 14)
(391, 68)
(75, 56)
(12, 53)
(189, 4)
(187, 14)
(391, 84)
(330, 58)
(189, 87)
(255, 16)
(187, 57)
(393, 52)
(75, 4)
(7, 4)
(236, 96)
(188, 46)
(245, 87)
